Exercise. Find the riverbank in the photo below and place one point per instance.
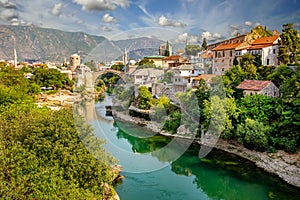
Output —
(281, 164)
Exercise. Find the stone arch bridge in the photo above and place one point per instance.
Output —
(88, 78)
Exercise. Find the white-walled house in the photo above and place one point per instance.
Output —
(267, 48)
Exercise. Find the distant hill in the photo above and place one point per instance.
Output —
(44, 44)
(34, 43)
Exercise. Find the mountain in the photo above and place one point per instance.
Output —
(44, 44)
(34, 43)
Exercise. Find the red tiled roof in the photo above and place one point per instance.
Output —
(255, 85)
(180, 51)
(265, 40)
(227, 46)
(175, 57)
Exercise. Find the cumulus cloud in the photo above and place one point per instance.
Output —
(163, 21)
(8, 14)
(56, 10)
(7, 4)
(107, 18)
(211, 37)
(248, 23)
(17, 22)
(192, 39)
(101, 5)
(8, 11)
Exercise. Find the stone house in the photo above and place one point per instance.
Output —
(147, 75)
(224, 54)
(252, 87)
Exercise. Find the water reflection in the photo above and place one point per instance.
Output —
(219, 175)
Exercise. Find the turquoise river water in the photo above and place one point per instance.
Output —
(152, 176)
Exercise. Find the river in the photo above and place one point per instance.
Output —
(153, 176)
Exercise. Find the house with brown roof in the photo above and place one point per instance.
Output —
(267, 48)
(174, 61)
(252, 87)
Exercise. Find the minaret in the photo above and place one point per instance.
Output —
(15, 58)
(125, 57)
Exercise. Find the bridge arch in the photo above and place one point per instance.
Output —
(99, 73)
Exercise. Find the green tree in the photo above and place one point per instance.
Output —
(232, 78)
(281, 74)
(253, 134)
(289, 45)
(168, 76)
(173, 123)
(260, 108)
(92, 65)
(144, 98)
(248, 66)
(192, 49)
(42, 156)
(204, 44)
(167, 51)
(118, 67)
(145, 63)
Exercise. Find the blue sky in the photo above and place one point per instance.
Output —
(173, 20)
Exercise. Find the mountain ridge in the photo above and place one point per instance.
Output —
(46, 44)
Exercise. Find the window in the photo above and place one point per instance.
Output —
(230, 53)
(223, 69)
(223, 54)
(268, 61)
(274, 51)
(216, 54)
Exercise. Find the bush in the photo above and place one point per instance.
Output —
(253, 134)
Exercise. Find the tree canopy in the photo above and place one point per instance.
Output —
(289, 47)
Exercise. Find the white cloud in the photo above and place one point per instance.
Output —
(107, 18)
(211, 37)
(8, 14)
(56, 10)
(163, 21)
(7, 4)
(181, 38)
(17, 22)
(101, 5)
(192, 39)
(248, 23)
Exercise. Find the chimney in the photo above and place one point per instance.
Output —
(238, 34)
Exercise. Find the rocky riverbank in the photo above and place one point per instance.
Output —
(284, 165)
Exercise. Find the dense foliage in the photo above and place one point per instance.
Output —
(43, 156)
(289, 48)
